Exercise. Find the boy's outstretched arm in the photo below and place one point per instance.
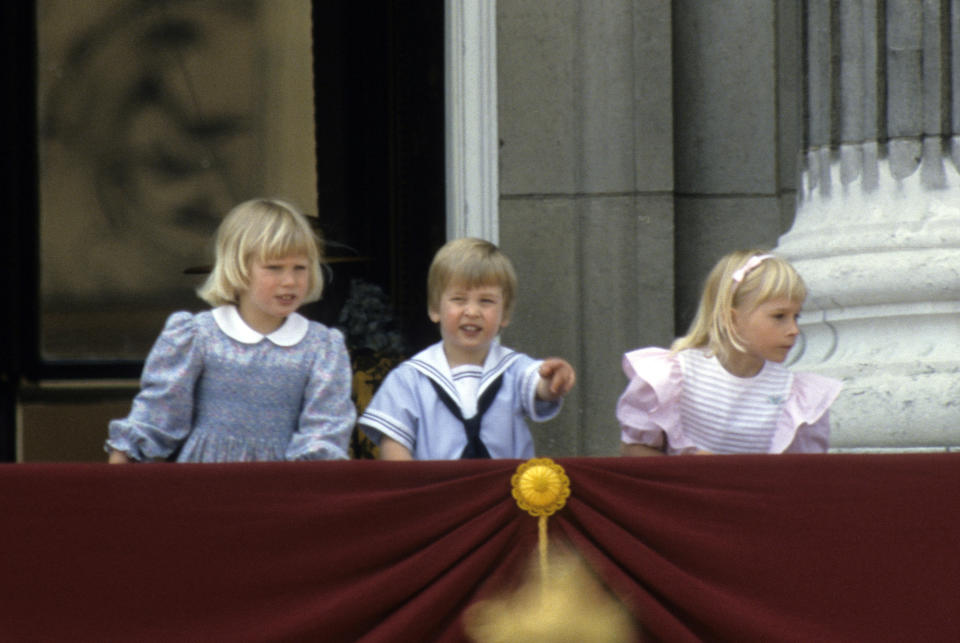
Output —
(557, 377)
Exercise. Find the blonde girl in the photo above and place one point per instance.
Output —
(722, 388)
(250, 379)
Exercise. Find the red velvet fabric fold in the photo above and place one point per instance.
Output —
(736, 548)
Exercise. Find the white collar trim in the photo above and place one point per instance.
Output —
(293, 329)
(432, 362)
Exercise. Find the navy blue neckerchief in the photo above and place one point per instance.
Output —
(475, 447)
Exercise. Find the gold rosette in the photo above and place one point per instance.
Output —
(541, 488)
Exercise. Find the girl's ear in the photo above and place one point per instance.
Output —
(434, 316)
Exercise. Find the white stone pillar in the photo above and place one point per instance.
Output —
(877, 230)
(471, 119)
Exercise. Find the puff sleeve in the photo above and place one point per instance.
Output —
(328, 414)
(161, 416)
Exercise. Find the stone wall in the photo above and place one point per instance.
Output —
(586, 183)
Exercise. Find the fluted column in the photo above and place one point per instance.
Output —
(877, 230)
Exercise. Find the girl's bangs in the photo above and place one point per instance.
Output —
(780, 281)
(283, 241)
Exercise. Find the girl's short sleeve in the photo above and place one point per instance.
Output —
(648, 410)
(328, 414)
(804, 425)
(161, 415)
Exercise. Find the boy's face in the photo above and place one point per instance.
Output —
(469, 319)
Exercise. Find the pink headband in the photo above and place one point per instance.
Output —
(740, 273)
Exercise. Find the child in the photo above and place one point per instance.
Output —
(466, 396)
(722, 388)
(251, 379)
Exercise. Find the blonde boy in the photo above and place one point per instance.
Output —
(467, 395)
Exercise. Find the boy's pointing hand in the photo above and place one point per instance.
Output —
(557, 377)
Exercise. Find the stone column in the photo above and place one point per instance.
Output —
(877, 230)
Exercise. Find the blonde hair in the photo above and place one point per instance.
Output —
(471, 263)
(712, 327)
(263, 230)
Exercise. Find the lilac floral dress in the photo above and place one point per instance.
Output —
(215, 390)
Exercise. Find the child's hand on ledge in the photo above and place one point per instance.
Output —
(118, 457)
(557, 377)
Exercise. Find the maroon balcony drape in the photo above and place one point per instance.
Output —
(735, 548)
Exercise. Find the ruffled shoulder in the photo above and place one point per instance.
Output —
(649, 408)
(804, 425)
(659, 367)
(811, 396)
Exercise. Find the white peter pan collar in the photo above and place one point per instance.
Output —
(293, 329)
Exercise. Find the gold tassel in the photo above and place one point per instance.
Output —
(541, 488)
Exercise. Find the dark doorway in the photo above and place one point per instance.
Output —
(18, 257)
(380, 151)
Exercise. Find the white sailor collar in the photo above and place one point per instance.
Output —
(432, 362)
(293, 329)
